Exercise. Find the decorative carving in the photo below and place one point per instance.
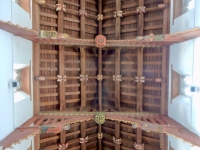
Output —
(91, 110)
(83, 77)
(117, 78)
(135, 125)
(40, 1)
(100, 41)
(141, 9)
(160, 80)
(138, 146)
(48, 34)
(99, 17)
(60, 7)
(64, 8)
(100, 135)
(67, 127)
(53, 34)
(109, 110)
(84, 140)
(63, 146)
(117, 141)
(139, 79)
(99, 118)
(40, 78)
(118, 14)
(49, 129)
(99, 77)
(61, 78)
(82, 13)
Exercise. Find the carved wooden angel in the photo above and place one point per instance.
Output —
(82, 13)
(84, 140)
(64, 8)
(117, 141)
(58, 7)
(138, 146)
(117, 78)
(141, 9)
(63, 146)
(118, 14)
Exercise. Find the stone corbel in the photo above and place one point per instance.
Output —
(40, 78)
(84, 140)
(117, 78)
(99, 77)
(99, 17)
(141, 9)
(61, 78)
(100, 135)
(41, 2)
(82, 13)
(138, 146)
(139, 79)
(83, 77)
(117, 141)
(118, 14)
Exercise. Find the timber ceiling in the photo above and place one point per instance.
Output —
(53, 60)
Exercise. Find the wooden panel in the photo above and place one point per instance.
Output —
(152, 68)
(49, 94)
(25, 76)
(71, 18)
(91, 27)
(175, 83)
(128, 70)
(153, 20)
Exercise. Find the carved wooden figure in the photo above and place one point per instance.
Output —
(84, 140)
(63, 146)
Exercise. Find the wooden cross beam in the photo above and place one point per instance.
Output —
(63, 39)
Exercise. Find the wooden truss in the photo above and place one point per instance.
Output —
(147, 122)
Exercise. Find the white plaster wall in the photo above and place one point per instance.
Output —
(13, 50)
(185, 58)
(6, 98)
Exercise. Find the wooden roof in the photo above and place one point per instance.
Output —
(126, 81)
(127, 95)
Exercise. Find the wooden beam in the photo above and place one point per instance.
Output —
(82, 7)
(117, 83)
(83, 95)
(139, 84)
(83, 135)
(62, 137)
(62, 83)
(140, 30)
(100, 81)
(117, 134)
(118, 21)
(36, 60)
(139, 136)
(140, 23)
(100, 21)
(60, 18)
(37, 142)
(100, 140)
